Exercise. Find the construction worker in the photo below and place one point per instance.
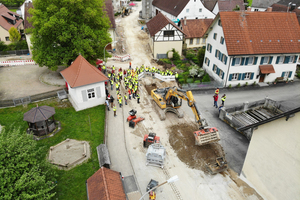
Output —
(152, 195)
(129, 94)
(223, 99)
(112, 84)
(113, 68)
(109, 75)
(217, 91)
(104, 69)
(176, 76)
(115, 110)
(133, 93)
(138, 97)
(117, 86)
(120, 101)
(125, 98)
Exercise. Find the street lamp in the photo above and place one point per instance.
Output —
(105, 47)
(171, 180)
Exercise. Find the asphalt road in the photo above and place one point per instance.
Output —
(234, 143)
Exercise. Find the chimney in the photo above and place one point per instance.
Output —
(249, 8)
(184, 21)
(269, 9)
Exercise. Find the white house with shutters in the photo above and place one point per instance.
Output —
(246, 47)
(179, 9)
(164, 36)
(86, 84)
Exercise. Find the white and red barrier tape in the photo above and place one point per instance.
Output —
(17, 62)
(122, 58)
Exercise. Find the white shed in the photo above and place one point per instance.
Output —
(86, 84)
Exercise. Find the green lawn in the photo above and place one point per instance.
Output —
(75, 125)
(13, 10)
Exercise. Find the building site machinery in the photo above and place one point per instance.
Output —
(220, 166)
(155, 155)
(150, 138)
(167, 100)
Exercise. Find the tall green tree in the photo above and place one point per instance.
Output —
(15, 3)
(63, 29)
(14, 35)
(200, 56)
(22, 175)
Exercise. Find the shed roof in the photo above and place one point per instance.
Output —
(81, 72)
(195, 28)
(173, 7)
(248, 33)
(158, 22)
(4, 13)
(105, 184)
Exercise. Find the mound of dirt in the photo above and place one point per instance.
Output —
(182, 141)
(150, 87)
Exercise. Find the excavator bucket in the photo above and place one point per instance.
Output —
(220, 166)
(206, 136)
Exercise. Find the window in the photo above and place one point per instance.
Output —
(203, 40)
(293, 59)
(187, 10)
(219, 22)
(91, 93)
(247, 75)
(191, 41)
(215, 36)
(206, 61)
(264, 60)
(200, 9)
(209, 48)
(198, 41)
(279, 59)
(255, 9)
(237, 61)
(285, 75)
(250, 61)
(235, 76)
(168, 33)
(222, 40)
(7, 38)
(215, 68)
(221, 73)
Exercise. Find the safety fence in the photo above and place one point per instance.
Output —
(29, 99)
(121, 58)
(158, 76)
(14, 52)
(17, 62)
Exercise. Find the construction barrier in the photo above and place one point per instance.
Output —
(17, 62)
(121, 58)
(158, 76)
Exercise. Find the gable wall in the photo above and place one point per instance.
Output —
(194, 6)
(178, 36)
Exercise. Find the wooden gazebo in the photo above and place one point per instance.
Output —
(40, 120)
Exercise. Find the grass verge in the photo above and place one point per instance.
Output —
(75, 125)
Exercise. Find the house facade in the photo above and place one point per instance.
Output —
(86, 84)
(194, 30)
(179, 9)
(247, 47)
(164, 36)
(9, 19)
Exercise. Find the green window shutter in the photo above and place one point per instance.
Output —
(233, 62)
(208, 62)
(246, 61)
(214, 67)
(277, 59)
(290, 74)
(282, 74)
(252, 75)
(84, 95)
(216, 53)
(262, 60)
(223, 75)
(210, 48)
(220, 56)
(225, 60)
(207, 47)
(243, 76)
(271, 59)
(255, 60)
(218, 71)
(230, 77)
(296, 58)
(286, 59)
(240, 76)
(243, 61)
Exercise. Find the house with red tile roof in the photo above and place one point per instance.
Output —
(105, 184)
(246, 47)
(194, 30)
(179, 9)
(8, 19)
(164, 36)
(86, 84)
(228, 5)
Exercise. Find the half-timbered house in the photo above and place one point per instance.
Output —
(164, 36)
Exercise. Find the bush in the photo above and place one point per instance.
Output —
(254, 83)
(229, 86)
(246, 84)
(197, 81)
(200, 56)
(166, 60)
(190, 56)
(181, 81)
(22, 44)
(206, 78)
(176, 56)
(238, 85)
(2, 46)
(177, 62)
(117, 13)
(298, 74)
(190, 80)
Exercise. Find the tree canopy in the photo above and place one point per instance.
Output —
(14, 35)
(22, 176)
(15, 3)
(63, 29)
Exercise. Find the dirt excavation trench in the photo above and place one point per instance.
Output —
(182, 141)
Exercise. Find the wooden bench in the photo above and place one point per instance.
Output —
(280, 79)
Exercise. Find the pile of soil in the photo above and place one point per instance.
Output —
(150, 87)
(182, 140)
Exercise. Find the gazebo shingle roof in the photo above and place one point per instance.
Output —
(38, 114)
(81, 72)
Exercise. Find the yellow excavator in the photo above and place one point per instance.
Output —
(170, 100)
(167, 100)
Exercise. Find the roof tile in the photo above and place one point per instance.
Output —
(4, 13)
(174, 7)
(195, 28)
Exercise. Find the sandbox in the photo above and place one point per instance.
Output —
(69, 153)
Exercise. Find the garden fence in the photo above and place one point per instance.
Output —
(15, 52)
